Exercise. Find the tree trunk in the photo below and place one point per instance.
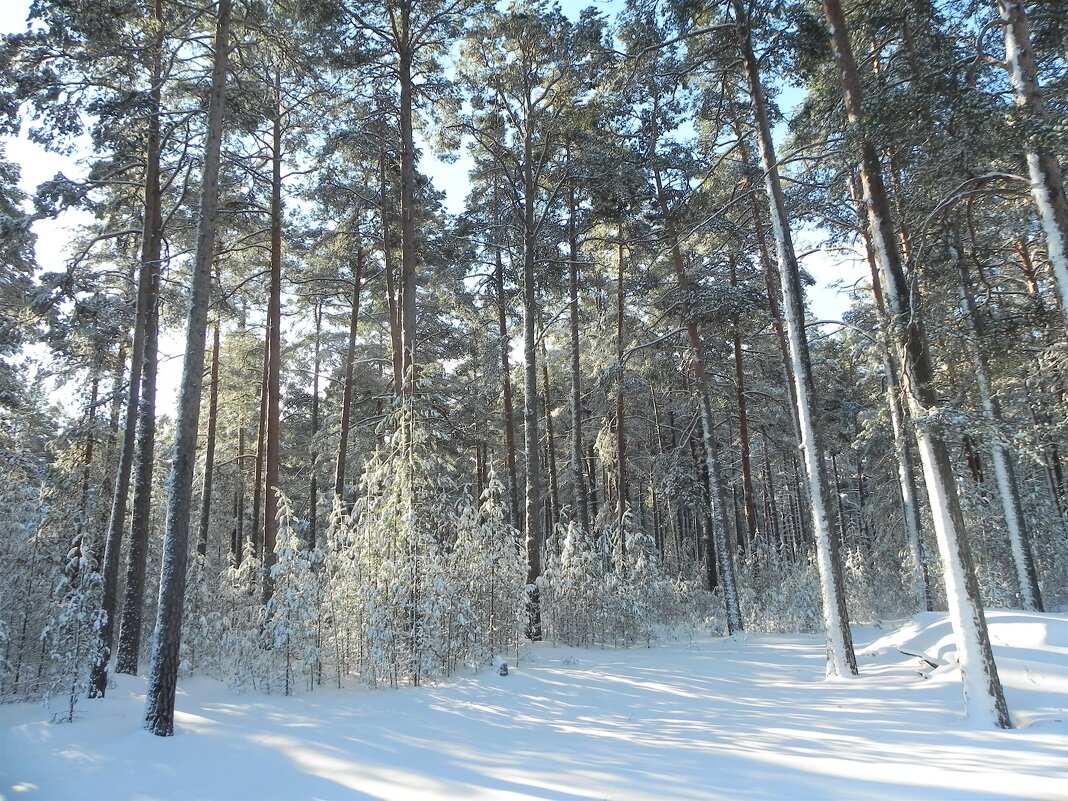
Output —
(553, 515)
(508, 409)
(1004, 474)
(237, 543)
(129, 645)
(395, 337)
(718, 511)
(209, 445)
(906, 463)
(532, 491)
(346, 397)
(982, 687)
(149, 264)
(274, 350)
(841, 659)
(407, 193)
(313, 480)
(163, 678)
(620, 412)
(578, 482)
(748, 502)
(255, 532)
(1047, 182)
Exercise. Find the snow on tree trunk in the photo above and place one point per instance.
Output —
(1004, 475)
(716, 484)
(841, 658)
(1047, 182)
(578, 484)
(906, 464)
(163, 677)
(906, 477)
(984, 698)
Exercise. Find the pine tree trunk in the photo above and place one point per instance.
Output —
(748, 502)
(578, 482)
(984, 697)
(237, 543)
(274, 349)
(407, 193)
(150, 234)
(508, 408)
(532, 491)
(553, 511)
(346, 396)
(209, 445)
(389, 262)
(163, 677)
(313, 479)
(129, 643)
(1004, 474)
(906, 463)
(620, 421)
(718, 512)
(1047, 181)
(841, 659)
(255, 532)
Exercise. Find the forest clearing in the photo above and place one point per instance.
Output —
(712, 719)
(350, 347)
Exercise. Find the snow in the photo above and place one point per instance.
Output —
(711, 719)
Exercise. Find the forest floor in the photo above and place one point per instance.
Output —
(709, 719)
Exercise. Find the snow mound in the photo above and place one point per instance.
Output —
(930, 633)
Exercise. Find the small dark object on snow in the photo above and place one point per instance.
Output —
(503, 669)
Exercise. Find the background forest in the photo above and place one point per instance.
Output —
(589, 406)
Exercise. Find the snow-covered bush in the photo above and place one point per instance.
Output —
(779, 594)
(245, 661)
(291, 630)
(602, 591)
(72, 635)
(487, 573)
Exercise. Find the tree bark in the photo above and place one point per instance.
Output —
(983, 693)
(532, 490)
(346, 397)
(748, 501)
(313, 480)
(209, 445)
(407, 197)
(1004, 473)
(129, 644)
(906, 462)
(163, 678)
(578, 482)
(1047, 181)
(718, 511)
(508, 408)
(149, 263)
(274, 350)
(841, 658)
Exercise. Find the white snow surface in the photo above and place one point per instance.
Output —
(712, 719)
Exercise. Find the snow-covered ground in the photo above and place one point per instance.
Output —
(711, 719)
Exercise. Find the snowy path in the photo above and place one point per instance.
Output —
(718, 720)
